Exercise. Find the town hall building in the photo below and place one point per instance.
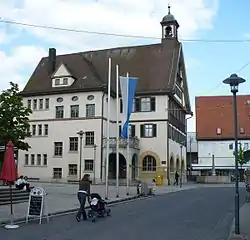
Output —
(68, 94)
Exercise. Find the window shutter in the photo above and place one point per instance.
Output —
(142, 131)
(152, 103)
(154, 130)
(137, 105)
(132, 130)
(121, 106)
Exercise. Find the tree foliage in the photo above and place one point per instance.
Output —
(14, 118)
(241, 156)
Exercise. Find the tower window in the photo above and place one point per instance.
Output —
(168, 31)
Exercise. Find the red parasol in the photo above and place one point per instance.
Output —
(9, 169)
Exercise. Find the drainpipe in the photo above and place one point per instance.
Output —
(102, 120)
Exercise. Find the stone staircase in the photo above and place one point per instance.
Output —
(18, 196)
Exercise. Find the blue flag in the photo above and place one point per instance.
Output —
(128, 87)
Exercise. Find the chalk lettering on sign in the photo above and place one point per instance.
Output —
(36, 204)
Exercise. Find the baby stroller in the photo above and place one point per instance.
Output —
(98, 207)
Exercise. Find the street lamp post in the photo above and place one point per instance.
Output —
(80, 133)
(94, 162)
(181, 167)
(234, 82)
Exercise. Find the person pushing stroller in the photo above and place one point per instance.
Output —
(83, 194)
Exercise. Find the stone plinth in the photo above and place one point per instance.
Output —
(213, 179)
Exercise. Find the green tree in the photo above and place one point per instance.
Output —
(241, 156)
(14, 118)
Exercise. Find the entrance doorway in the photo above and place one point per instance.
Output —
(112, 166)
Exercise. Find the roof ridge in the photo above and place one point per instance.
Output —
(107, 49)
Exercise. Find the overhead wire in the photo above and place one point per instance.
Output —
(129, 36)
(237, 71)
(117, 34)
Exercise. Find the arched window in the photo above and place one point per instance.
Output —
(149, 164)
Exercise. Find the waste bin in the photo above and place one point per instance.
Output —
(159, 180)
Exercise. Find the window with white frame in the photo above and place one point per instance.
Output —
(45, 159)
(65, 81)
(90, 110)
(26, 159)
(35, 104)
(59, 111)
(38, 159)
(58, 149)
(149, 164)
(40, 129)
(57, 173)
(32, 159)
(57, 81)
(33, 130)
(145, 104)
(72, 169)
(46, 130)
(74, 111)
(218, 131)
(89, 138)
(148, 130)
(40, 104)
(29, 104)
(73, 144)
(46, 103)
(88, 165)
(246, 146)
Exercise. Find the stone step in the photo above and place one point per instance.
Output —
(17, 196)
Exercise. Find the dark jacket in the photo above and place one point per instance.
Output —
(84, 185)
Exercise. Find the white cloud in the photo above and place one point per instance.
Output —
(14, 66)
(140, 17)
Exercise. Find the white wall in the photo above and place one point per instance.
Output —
(62, 129)
(223, 155)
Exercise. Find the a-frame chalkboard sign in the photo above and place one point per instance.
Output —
(36, 207)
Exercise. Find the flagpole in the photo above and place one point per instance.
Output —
(128, 152)
(108, 131)
(117, 132)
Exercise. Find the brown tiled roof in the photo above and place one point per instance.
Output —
(214, 112)
(155, 66)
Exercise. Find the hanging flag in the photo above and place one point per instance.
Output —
(128, 86)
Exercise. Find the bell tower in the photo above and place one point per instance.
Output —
(169, 26)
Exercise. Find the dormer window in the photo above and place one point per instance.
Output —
(57, 81)
(65, 81)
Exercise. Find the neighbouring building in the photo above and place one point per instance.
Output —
(215, 132)
(192, 153)
(68, 93)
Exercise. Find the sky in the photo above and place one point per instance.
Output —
(207, 63)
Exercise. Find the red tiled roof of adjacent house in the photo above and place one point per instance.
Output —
(214, 117)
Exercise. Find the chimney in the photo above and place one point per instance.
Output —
(52, 60)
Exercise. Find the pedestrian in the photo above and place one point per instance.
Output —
(82, 195)
(153, 189)
(176, 178)
(138, 188)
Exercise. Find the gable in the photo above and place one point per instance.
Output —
(61, 71)
(181, 92)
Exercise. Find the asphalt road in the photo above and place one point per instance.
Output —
(196, 214)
